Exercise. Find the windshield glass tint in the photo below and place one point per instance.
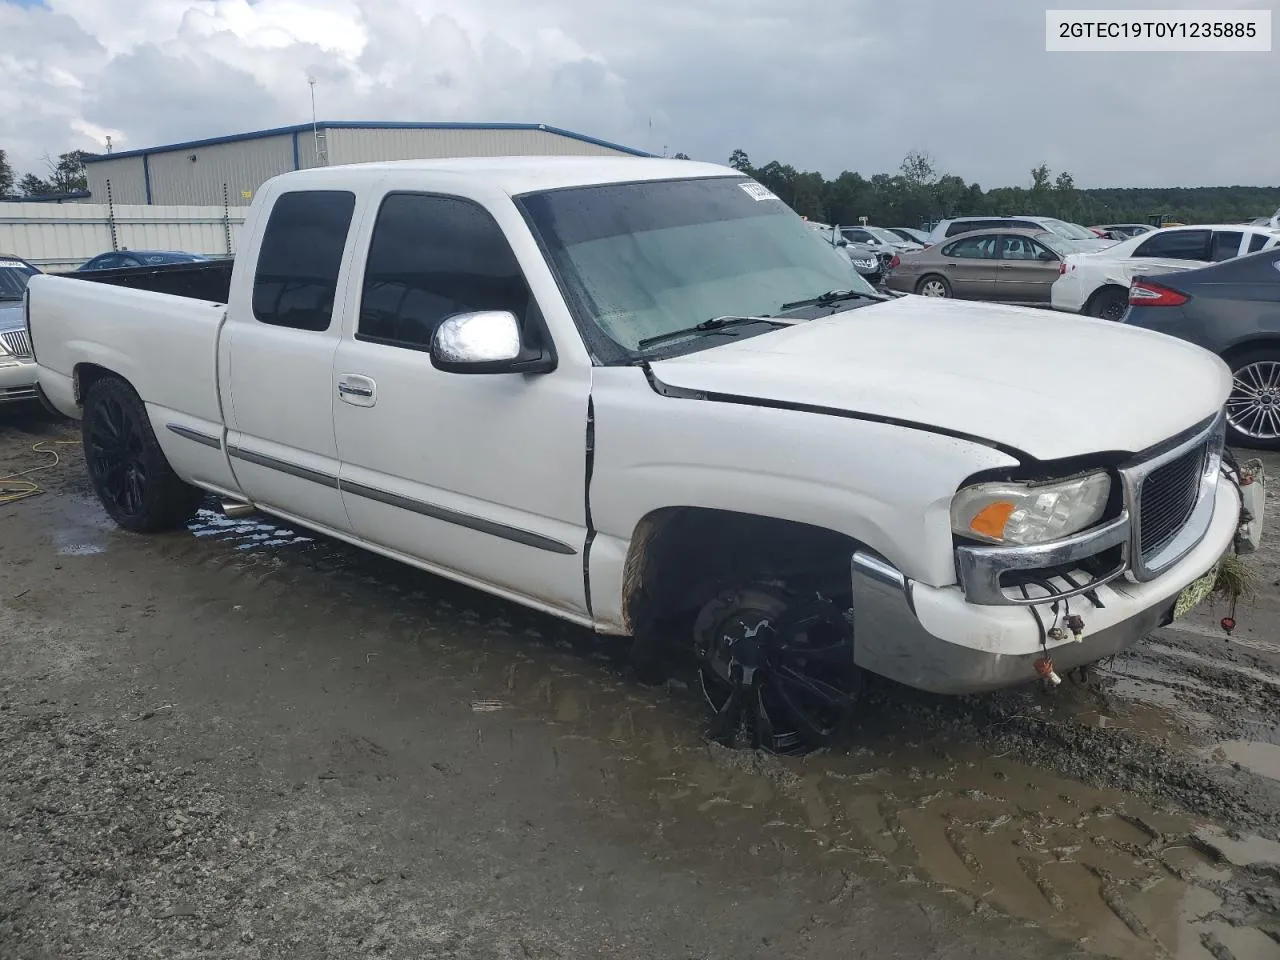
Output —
(1071, 230)
(642, 259)
(1054, 242)
(884, 235)
(14, 275)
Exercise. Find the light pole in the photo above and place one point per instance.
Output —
(321, 161)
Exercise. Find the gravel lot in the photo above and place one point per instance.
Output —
(241, 741)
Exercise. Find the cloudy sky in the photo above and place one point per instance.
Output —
(822, 84)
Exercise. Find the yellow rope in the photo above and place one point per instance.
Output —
(29, 488)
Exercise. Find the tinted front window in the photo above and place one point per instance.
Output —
(430, 258)
(14, 275)
(643, 259)
(1176, 245)
(297, 276)
(972, 248)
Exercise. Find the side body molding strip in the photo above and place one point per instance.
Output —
(480, 524)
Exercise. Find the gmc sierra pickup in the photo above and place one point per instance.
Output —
(641, 395)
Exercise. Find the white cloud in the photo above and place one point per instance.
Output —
(820, 84)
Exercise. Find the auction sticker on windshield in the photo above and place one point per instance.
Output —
(15, 264)
(757, 191)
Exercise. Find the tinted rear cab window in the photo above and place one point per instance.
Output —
(296, 281)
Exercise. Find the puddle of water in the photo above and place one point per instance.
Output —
(1242, 851)
(1260, 758)
(247, 533)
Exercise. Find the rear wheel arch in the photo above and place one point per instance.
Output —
(127, 468)
(1102, 294)
(85, 375)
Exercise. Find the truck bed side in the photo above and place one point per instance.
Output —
(165, 346)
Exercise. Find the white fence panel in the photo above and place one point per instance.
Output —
(61, 236)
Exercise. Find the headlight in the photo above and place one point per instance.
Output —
(1023, 513)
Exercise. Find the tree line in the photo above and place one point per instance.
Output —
(918, 194)
(64, 175)
(915, 195)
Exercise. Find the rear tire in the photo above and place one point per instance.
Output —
(127, 469)
(933, 285)
(1253, 408)
(1109, 304)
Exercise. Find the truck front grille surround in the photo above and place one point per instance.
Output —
(1171, 498)
(1167, 506)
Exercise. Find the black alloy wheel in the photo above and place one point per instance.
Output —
(776, 669)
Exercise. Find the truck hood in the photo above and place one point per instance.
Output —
(1036, 382)
(11, 316)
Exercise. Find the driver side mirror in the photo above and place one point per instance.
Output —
(487, 341)
(842, 242)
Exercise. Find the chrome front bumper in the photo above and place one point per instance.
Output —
(17, 380)
(932, 638)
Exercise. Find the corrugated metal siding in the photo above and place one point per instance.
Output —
(368, 146)
(63, 236)
(242, 166)
(128, 180)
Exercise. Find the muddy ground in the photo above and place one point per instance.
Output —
(242, 741)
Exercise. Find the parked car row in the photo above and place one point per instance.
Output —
(1097, 284)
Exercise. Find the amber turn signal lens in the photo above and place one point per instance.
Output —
(990, 521)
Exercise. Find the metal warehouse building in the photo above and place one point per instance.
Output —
(230, 169)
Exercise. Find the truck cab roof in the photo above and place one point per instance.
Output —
(520, 175)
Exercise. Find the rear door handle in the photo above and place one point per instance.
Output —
(357, 390)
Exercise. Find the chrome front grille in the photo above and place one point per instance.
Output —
(1167, 497)
(1171, 498)
(17, 343)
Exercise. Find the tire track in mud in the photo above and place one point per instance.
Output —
(995, 835)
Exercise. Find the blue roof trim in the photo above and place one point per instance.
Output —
(360, 125)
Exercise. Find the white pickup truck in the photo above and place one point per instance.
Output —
(638, 394)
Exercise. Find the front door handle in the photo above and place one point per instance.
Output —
(357, 390)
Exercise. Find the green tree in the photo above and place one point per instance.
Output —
(681, 156)
(740, 161)
(32, 186)
(1040, 178)
(6, 177)
(66, 175)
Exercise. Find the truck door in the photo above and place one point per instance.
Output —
(481, 477)
(278, 358)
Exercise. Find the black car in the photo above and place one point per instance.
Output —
(1233, 309)
(140, 258)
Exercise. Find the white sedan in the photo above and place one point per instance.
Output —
(1097, 283)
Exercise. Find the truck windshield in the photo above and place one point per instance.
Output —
(639, 260)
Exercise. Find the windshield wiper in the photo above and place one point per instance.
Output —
(715, 323)
(831, 296)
